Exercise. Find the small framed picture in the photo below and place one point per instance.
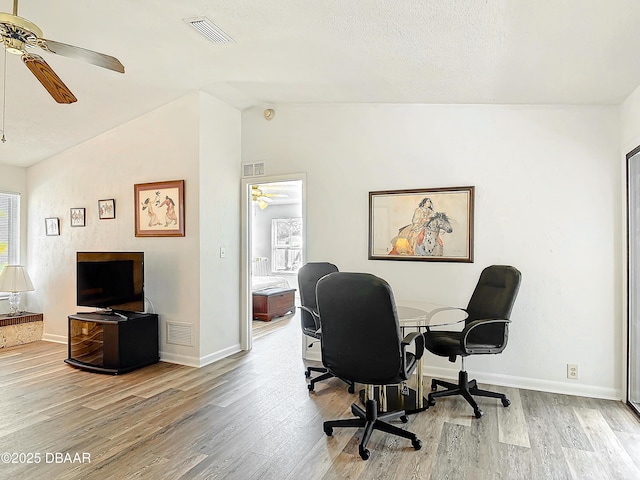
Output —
(77, 217)
(106, 209)
(52, 226)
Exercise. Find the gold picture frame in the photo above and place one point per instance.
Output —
(159, 209)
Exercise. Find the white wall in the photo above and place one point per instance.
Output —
(14, 180)
(630, 122)
(162, 145)
(547, 201)
(219, 227)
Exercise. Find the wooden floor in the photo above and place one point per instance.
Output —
(260, 328)
(251, 417)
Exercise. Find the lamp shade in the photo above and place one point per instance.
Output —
(14, 278)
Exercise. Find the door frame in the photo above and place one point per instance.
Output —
(631, 296)
(246, 300)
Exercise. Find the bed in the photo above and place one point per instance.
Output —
(261, 277)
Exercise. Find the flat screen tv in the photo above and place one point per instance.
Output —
(111, 281)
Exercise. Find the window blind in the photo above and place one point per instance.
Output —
(9, 228)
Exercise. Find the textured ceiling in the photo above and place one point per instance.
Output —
(380, 51)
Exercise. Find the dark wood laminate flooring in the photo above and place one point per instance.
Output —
(251, 417)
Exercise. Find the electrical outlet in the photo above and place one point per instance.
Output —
(572, 371)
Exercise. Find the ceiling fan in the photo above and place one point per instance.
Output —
(19, 34)
(263, 199)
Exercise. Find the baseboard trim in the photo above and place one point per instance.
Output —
(196, 362)
(219, 355)
(49, 337)
(550, 386)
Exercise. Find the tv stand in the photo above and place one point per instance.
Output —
(107, 343)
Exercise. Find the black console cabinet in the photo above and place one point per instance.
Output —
(113, 344)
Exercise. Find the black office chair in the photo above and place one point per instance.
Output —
(486, 332)
(361, 342)
(308, 277)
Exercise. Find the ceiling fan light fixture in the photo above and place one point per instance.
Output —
(209, 29)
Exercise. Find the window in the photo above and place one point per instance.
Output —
(286, 254)
(9, 228)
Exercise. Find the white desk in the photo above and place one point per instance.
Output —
(416, 315)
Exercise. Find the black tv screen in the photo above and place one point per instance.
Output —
(111, 280)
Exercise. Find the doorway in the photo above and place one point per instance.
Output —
(273, 242)
(633, 279)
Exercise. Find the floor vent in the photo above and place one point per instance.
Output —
(179, 333)
(253, 169)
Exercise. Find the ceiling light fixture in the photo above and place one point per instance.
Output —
(209, 29)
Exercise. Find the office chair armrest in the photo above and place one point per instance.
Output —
(314, 315)
(479, 348)
(418, 339)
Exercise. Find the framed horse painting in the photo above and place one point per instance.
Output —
(429, 224)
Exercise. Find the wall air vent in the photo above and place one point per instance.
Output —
(209, 29)
(252, 169)
(179, 333)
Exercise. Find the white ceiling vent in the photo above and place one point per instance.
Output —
(209, 29)
(179, 333)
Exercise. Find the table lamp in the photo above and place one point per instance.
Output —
(15, 279)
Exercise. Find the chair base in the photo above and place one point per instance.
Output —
(325, 375)
(371, 420)
(410, 401)
(467, 388)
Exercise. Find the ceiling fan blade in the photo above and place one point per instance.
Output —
(48, 78)
(95, 58)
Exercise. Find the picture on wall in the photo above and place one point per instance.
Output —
(159, 209)
(106, 209)
(431, 224)
(77, 217)
(52, 226)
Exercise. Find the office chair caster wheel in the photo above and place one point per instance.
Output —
(307, 373)
(434, 386)
(364, 453)
(404, 419)
(431, 401)
(351, 389)
(478, 413)
(310, 387)
(417, 444)
(505, 402)
(328, 431)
